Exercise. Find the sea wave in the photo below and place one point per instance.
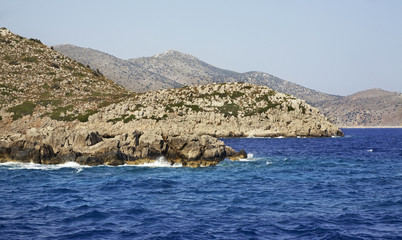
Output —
(36, 166)
(160, 162)
(250, 158)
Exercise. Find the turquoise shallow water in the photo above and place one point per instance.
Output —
(298, 188)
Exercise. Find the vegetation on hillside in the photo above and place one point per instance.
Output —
(36, 79)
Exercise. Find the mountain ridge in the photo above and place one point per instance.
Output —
(184, 69)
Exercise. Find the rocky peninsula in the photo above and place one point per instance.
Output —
(55, 110)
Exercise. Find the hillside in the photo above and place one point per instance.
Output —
(36, 79)
(184, 70)
(374, 107)
(55, 110)
(220, 110)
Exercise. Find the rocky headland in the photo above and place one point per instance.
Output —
(55, 110)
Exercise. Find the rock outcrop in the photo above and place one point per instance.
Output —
(88, 147)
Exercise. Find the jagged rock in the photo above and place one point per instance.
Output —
(29, 151)
(142, 147)
(235, 156)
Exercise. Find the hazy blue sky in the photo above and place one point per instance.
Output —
(337, 47)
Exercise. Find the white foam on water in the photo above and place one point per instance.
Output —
(35, 166)
(280, 137)
(159, 162)
(268, 163)
(250, 158)
(370, 150)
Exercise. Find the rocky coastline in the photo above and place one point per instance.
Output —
(54, 110)
(93, 149)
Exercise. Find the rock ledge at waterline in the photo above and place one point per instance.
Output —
(91, 148)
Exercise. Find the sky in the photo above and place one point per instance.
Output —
(337, 47)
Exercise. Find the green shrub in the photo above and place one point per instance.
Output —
(79, 74)
(84, 117)
(303, 109)
(265, 97)
(169, 109)
(129, 119)
(195, 108)
(104, 104)
(53, 102)
(1, 118)
(271, 93)
(56, 114)
(138, 107)
(250, 113)
(68, 67)
(266, 108)
(30, 59)
(236, 94)
(56, 86)
(179, 104)
(158, 118)
(115, 120)
(7, 58)
(35, 40)
(213, 94)
(290, 108)
(230, 109)
(96, 94)
(26, 108)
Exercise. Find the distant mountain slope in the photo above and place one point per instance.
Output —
(185, 69)
(173, 69)
(373, 107)
(130, 75)
(189, 70)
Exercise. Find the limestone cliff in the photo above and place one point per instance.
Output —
(221, 110)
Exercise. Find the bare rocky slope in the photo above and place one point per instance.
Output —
(374, 107)
(183, 69)
(55, 110)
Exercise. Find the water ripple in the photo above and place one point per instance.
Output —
(289, 189)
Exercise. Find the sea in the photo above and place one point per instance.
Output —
(287, 188)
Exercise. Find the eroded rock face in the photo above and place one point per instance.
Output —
(90, 148)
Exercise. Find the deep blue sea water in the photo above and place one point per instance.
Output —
(291, 188)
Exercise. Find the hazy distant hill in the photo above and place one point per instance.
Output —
(174, 69)
(373, 107)
(128, 74)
